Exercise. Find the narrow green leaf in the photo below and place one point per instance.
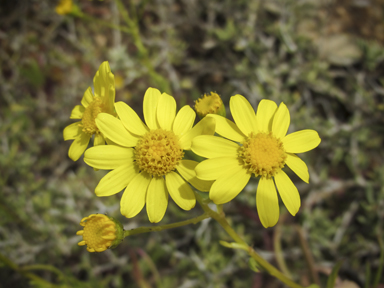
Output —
(367, 275)
(234, 245)
(254, 266)
(332, 277)
(381, 263)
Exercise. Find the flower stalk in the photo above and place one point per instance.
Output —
(132, 29)
(141, 230)
(220, 218)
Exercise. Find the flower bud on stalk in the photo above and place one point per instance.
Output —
(100, 233)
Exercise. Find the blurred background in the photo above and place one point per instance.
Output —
(323, 59)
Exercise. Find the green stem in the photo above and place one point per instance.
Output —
(220, 218)
(167, 226)
(132, 29)
(102, 22)
(278, 251)
(220, 209)
(143, 52)
(28, 275)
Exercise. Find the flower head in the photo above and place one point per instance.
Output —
(64, 7)
(101, 101)
(100, 232)
(210, 104)
(148, 159)
(263, 151)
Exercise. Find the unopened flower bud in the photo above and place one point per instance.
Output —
(210, 104)
(100, 233)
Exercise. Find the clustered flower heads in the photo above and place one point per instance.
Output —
(147, 159)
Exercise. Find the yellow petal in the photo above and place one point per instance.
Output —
(151, 99)
(267, 202)
(116, 180)
(186, 168)
(212, 169)
(184, 120)
(112, 128)
(103, 80)
(72, 131)
(243, 114)
(130, 119)
(77, 112)
(264, 116)
(288, 192)
(78, 146)
(298, 166)
(206, 126)
(108, 156)
(87, 97)
(281, 121)
(212, 146)
(301, 141)
(134, 196)
(229, 186)
(166, 111)
(110, 142)
(108, 237)
(180, 191)
(110, 90)
(109, 100)
(98, 140)
(157, 199)
(227, 128)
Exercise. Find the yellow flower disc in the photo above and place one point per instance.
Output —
(158, 152)
(99, 232)
(263, 154)
(88, 121)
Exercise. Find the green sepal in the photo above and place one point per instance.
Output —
(254, 266)
(119, 233)
(222, 111)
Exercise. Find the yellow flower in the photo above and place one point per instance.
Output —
(263, 151)
(64, 7)
(210, 104)
(92, 104)
(146, 156)
(100, 232)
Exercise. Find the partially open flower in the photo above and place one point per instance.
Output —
(210, 104)
(100, 232)
(100, 101)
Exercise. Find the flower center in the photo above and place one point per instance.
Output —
(89, 116)
(99, 232)
(263, 154)
(158, 152)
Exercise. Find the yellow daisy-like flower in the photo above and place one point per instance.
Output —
(257, 145)
(100, 232)
(146, 156)
(91, 105)
(64, 7)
